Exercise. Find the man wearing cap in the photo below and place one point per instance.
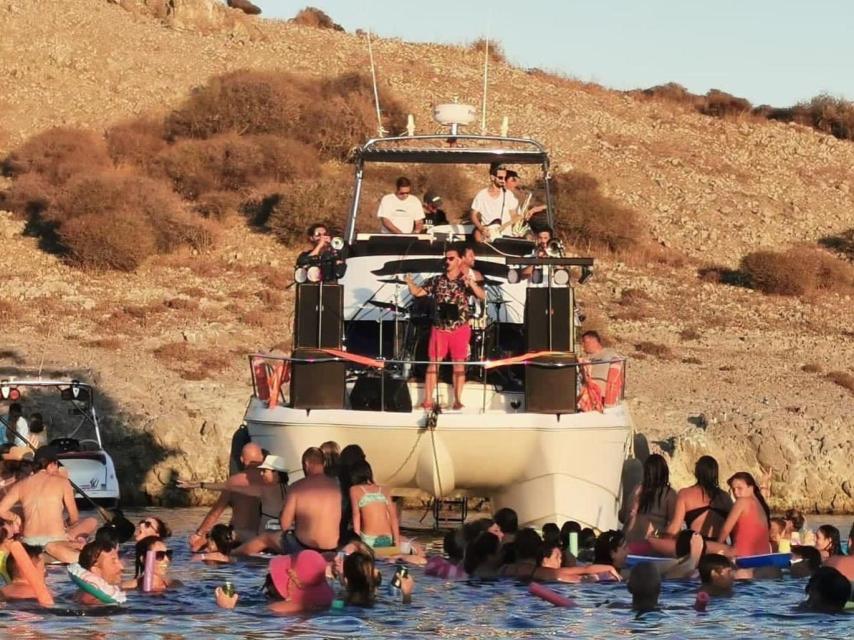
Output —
(433, 215)
(401, 212)
(494, 206)
(43, 496)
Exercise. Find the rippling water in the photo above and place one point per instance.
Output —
(465, 609)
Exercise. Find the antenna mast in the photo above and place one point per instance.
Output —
(485, 77)
(380, 130)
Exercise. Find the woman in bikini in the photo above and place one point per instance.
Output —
(702, 507)
(653, 503)
(748, 522)
(374, 514)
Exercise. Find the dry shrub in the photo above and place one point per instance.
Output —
(332, 115)
(261, 319)
(135, 142)
(288, 210)
(689, 334)
(721, 104)
(110, 343)
(192, 363)
(811, 367)
(496, 50)
(271, 297)
(315, 18)
(586, 217)
(181, 304)
(798, 271)
(276, 278)
(9, 312)
(691, 360)
(843, 379)
(842, 243)
(824, 112)
(113, 220)
(660, 351)
(230, 162)
(58, 154)
(217, 205)
(632, 297)
(671, 92)
(29, 195)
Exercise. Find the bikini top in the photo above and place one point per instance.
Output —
(372, 497)
(693, 514)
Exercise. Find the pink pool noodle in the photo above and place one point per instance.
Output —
(548, 595)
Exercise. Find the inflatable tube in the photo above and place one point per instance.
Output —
(536, 589)
(96, 586)
(632, 560)
(148, 573)
(31, 575)
(779, 560)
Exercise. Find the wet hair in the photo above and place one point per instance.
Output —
(587, 538)
(829, 531)
(361, 473)
(592, 334)
(507, 520)
(606, 544)
(92, 551)
(811, 557)
(12, 567)
(313, 455)
(644, 584)
(108, 534)
(222, 535)
(350, 455)
(402, 181)
(331, 453)
(142, 547)
(466, 247)
(162, 528)
(512, 174)
(36, 423)
(473, 529)
(706, 473)
(828, 590)
(478, 551)
(529, 545)
(568, 527)
(750, 482)
(451, 544)
(656, 483)
(360, 576)
(683, 543)
(551, 534)
(712, 562)
(780, 522)
(15, 409)
(317, 225)
(796, 517)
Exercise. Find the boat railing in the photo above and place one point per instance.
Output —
(271, 373)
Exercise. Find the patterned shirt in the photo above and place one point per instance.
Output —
(449, 292)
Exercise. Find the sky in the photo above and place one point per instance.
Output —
(776, 53)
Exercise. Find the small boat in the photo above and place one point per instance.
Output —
(356, 374)
(71, 423)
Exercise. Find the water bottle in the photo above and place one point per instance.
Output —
(394, 585)
(573, 543)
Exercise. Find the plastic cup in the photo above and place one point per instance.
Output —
(405, 547)
(784, 546)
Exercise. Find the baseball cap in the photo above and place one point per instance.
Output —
(433, 198)
(301, 578)
(276, 463)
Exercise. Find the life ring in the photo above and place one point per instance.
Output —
(96, 586)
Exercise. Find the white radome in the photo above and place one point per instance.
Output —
(452, 113)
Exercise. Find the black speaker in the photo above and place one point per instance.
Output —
(317, 385)
(318, 316)
(538, 316)
(551, 389)
(367, 394)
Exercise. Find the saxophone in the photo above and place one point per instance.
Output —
(520, 227)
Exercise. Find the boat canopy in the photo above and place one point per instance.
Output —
(445, 149)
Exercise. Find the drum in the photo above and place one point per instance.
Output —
(478, 319)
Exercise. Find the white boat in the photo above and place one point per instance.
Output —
(550, 465)
(71, 424)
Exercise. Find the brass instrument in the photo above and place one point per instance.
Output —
(555, 249)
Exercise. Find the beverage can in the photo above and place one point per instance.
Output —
(228, 588)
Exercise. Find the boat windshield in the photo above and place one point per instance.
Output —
(65, 414)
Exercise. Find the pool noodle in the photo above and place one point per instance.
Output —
(573, 543)
(632, 560)
(148, 573)
(779, 560)
(548, 595)
(28, 570)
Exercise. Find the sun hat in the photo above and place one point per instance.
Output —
(301, 578)
(276, 463)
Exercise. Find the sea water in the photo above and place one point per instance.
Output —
(459, 609)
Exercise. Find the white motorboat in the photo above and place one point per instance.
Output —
(519, 439)
(71, 424)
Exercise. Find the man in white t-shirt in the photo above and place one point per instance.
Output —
(16, 420)
(401, 212)
(493, 206)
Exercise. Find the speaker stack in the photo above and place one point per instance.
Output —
(548, 327)
(318, 324)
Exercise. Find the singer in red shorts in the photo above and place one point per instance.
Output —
(451, 332)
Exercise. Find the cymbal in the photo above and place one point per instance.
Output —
(387, 305)
(393, 281)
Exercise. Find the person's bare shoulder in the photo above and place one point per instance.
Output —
(238, 480)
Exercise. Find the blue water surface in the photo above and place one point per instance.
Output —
(461, 609)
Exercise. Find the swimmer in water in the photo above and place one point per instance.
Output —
(20, 588)
(645, 586)
(220, 542)
(102, 559)
(716, 575)
(162, 561)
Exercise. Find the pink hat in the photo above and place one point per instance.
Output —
(302, 579)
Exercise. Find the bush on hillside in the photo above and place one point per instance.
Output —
(496, 50)
(58, 154)
(842, 243)
(288, 209)
(136, 142)
(584, 216)
(721, 104)
(230, 162)
(798, 271)
(315, 18)
(332, 115)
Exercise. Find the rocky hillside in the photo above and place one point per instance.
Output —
(753, 379)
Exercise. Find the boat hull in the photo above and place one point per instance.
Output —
(95, 473)
(548, 468)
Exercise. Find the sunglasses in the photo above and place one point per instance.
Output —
(450, 259)
(162, 555)
(500, 177)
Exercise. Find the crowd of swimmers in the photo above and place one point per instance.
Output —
(336, 524)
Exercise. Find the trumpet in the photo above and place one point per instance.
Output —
(555, 249)
(337, 243)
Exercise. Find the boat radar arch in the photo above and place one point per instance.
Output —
(454, 115)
